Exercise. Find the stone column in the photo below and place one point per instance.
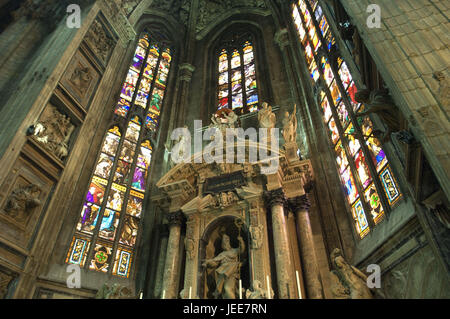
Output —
(311, 272)
(276, 201)
(170, 282)
(164, 235)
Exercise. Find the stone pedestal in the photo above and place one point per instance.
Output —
(301, 206)
(171, 271)
(276, 202)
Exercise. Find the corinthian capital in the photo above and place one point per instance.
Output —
(275, 197)
(175, 219)
(300, 203)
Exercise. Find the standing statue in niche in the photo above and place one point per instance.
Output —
(351, 283)
(290, 126)
(226, 265)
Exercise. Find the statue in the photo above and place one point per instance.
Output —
(266, 117)
(227, 267)
(380, 103)
(257, 292)
(290, 126)
(351, 283)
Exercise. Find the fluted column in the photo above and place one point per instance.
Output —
(276, 201)
(301, 206)
(169, 287)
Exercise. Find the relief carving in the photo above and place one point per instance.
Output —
(81, 79)
(22, 201)
(99, 41)
(256, 236)
(53, 132)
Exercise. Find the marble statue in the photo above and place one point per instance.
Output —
(266, 117)
(290, 126)
(352, 283)
(226, 268)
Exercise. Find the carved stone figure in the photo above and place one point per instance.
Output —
(81, 78)
(290, 126)
(256, 236)
(257, 291)
(266, 117)
(351, 283)
(22, 200)
(114, 292)
(380, 103)
(226, 265)
(54, 131)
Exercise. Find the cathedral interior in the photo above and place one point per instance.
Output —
(115, 124)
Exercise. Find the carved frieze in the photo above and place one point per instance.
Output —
(176, 218)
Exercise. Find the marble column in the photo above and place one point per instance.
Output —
(170, 282)
(276, 201)
(311, 271)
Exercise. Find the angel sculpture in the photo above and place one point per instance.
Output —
(290, 126)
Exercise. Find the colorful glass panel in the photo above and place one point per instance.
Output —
(362, 225)
(350, 187)
(362, 169)
(78, 251)
(390, 186)
(374, 201)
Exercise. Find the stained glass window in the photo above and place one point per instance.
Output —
(237, 87)
(110, 215)
(367, 180)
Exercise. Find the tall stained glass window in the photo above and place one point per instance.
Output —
(110, 216)
(237, 87)
(364, 170)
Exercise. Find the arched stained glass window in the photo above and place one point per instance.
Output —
(110, 217)
(236, 74)
(370, 187)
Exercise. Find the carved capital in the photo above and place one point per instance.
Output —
(300, 203)
(275, 197)
(176, 219)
